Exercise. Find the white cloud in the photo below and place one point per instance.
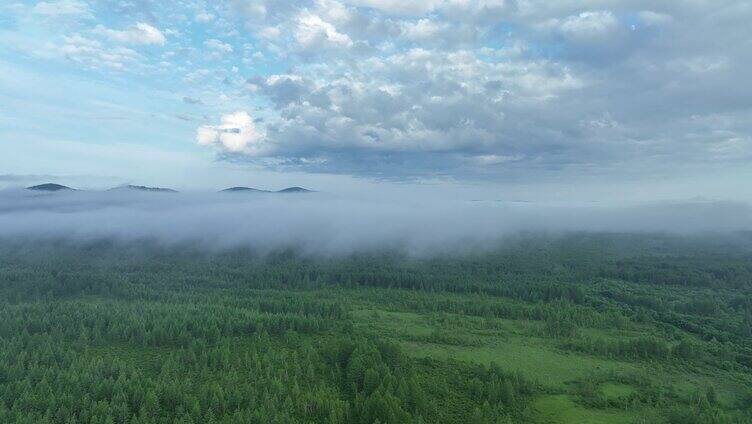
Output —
(197, 75)
(204, 17)
(62, 8)
(217, 48)
(141, 33)
(79, 41)
(236, 133)
(421, 29)
(699, 64)
(314, 32)
(489, 160)
(447, 84)
(417, 102)
(270, 32)
(93, 54)
(399, 7)
(651, 18)
(333, 11)
(586, 26)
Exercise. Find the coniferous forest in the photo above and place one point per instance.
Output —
(577, 328)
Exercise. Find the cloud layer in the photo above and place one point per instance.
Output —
(500, 88)
(489, 89)
(325, 224)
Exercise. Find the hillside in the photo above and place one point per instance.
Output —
(49, 187)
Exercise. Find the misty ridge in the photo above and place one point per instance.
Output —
(321, 223)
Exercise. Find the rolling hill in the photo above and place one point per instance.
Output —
(49, 187)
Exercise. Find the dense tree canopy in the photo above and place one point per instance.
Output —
(137, 333)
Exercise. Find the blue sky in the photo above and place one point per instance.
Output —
(483, 96)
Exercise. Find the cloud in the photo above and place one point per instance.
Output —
(327, 224)
(445, 107)
(217, 49)
(421, 29)
(494, 159)
(651, 18)
(62, 8)
(400, 7)
(141, 33)
(282, 90)
(204, 17)
(237, 133)
(586, 26)
(94, 55)
(699, 64)
(197, 75)
(192, 101)
(314, 32)
(18, 179)
(269, 32)
(498, 90)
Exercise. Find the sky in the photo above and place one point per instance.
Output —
(512, 99)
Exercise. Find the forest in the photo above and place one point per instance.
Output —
(541, 328)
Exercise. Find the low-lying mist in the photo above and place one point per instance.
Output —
(327, 224)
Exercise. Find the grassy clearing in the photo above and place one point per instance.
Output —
(511, 345)
(552, 369)
(519, 346)
(148, 359)
(616, 390)
(561, 409)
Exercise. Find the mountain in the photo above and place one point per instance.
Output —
(255, 190)
(294, 190)
(49, 187)
(57, 187)
(246, 189)
(144, 188)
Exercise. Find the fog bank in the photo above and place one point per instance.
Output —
(321, 223)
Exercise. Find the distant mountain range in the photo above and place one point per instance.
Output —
(256, 190)
(239, 189)
(49, 187)
(294, 190)
(143, 188)
(129, 187)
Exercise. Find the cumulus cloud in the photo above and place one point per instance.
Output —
(437, 88)
(140, 33)
(496, 89)
(197, 75)
(218, 47)
(421, 29)
(441, 106)
(204, 17)
(236, 133)
(314, 32)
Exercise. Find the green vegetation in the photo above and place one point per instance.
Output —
(571, 329)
